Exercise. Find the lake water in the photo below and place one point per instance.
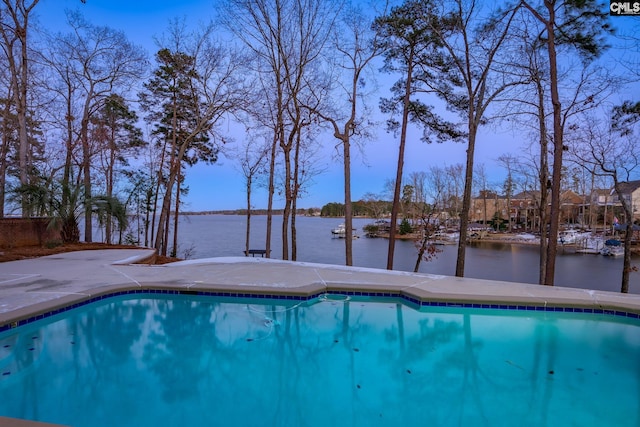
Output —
(205, 236)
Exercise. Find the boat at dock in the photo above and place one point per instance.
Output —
(612, 247)
(589, 245)
(568, 236)
(612, 251)
(341, 231)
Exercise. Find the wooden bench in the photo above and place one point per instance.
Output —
(254, 252)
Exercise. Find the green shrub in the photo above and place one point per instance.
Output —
(405, 227)
(371, 228)
(50, 244)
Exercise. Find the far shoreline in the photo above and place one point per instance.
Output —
(503, 237)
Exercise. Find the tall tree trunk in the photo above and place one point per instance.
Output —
(176, 215)
(4, 151)
(628, 213)
(21, 104)
(148, 218)
(294, 197)
(294, 243)
(166, 226)
(110, 179)
(348, 209)
(286, 144)
(86, 173)
(558, 148)
(272, 168)
(466, 195)
(543, 176)
(154, 210)
(248, 228)
(398, 183)
(156, 196)
(21, 112)
(626, 264)
(175, 161)
(287, 206)
(161, 241)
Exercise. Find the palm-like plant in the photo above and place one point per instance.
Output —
(107, 209)
(64, 205)
(45, 199)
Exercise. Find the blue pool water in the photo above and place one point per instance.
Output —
(334, 361)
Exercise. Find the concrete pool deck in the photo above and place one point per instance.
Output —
(42, 285)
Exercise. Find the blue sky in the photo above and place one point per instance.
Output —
(221, 186)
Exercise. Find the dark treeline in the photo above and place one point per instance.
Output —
(95, 130)
(361, 208)
(308, 212)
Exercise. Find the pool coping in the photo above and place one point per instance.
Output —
(47, 309)
(31, 290)
(274, 279)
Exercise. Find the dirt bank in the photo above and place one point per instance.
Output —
(27, 252)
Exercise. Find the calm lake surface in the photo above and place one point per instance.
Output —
(205, 236)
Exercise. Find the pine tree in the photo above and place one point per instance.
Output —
(174, 107)
(410, 48)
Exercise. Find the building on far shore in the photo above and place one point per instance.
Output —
(597, 210)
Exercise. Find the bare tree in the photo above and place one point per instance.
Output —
(62, 88)
(427, 215)
(437, 187)
(470, 52)
(581, 85)
(618, 157)
(101, 60)
(510, 163)
(528, 108)
(481, 182)
(264, 114)
(251, 158)
(14, 31)
(355, 48)
(375, 204)
(578, 25)
(286, 38)
(455, 179)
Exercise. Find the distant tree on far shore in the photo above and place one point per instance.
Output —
(362, 208)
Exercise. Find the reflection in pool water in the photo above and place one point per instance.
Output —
(199, 361)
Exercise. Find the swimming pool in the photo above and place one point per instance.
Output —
(334, 360)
